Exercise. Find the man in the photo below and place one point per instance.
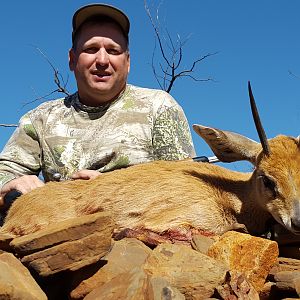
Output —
(107, 124)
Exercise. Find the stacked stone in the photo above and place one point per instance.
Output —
(79, 259)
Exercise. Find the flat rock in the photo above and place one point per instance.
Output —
(194, 274)
(68, 230)
(285, 280)
(16, 281)
(71, 254)
(125, 255)
(127, 286)
(285, 264)
(136, 285)
(250, 255)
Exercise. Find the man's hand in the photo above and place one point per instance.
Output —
(85, 174)
(24, 184)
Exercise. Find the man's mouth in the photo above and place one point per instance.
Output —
(101, 75)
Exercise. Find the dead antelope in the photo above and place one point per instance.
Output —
(166, 195)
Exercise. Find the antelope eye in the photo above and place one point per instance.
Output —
(269, 184)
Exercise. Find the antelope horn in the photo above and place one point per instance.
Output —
(260, 130)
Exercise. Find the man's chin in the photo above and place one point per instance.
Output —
(102, 88)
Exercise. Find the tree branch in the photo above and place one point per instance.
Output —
(170, 70)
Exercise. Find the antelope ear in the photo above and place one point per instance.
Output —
(229, 146)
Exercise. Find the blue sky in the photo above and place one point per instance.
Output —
(257, 41)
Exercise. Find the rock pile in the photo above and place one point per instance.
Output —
(80, 259)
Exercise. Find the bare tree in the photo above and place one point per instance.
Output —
(172, 54)
(59, 81)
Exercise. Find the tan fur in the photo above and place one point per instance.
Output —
(177, 194)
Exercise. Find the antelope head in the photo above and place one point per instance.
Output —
(275, 182)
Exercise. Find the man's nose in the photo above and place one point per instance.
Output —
(102, 57)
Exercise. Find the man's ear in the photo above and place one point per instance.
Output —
(72, 59)
(128, 59)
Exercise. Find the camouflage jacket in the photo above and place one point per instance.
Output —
(65, 136)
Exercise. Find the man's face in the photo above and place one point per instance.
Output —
(100, 62)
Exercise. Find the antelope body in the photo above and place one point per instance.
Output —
(184, 194)
(163, 195)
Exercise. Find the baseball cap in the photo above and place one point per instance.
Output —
(90, 10)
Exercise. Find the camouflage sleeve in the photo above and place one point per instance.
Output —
(171, 135)
(21, 154)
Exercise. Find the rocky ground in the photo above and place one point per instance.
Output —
(83, 258)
